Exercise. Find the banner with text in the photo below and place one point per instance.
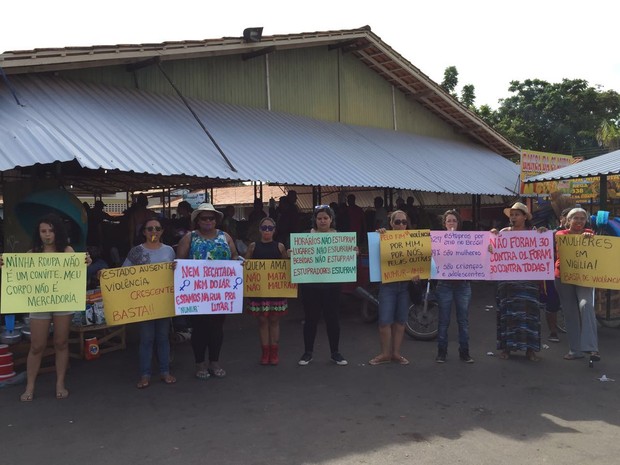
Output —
(138, 293)
(208, 287)
(43, 282)
(405, 254)
(522, 255)
(324, 257)
(589, 261)
(460, 254)
(268, 278)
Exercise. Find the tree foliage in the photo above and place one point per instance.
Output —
(569, 117)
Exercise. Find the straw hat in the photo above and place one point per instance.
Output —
(518, 206)
(206, 207)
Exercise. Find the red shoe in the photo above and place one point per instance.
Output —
(264, 359)
(274, 357)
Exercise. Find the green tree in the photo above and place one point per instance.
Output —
(450, 80)
(468, 95)
(560, 117)
(608, 135)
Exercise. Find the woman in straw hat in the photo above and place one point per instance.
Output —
(518, 322)
(207, 242)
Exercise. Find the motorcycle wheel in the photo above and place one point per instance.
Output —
(423, 325)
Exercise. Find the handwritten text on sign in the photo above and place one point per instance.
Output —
(137, 293)
(205, 287)
(460, 254)
(405, 254)
(43, 282)
(519, 255)
(324, 258)
(268, 278)
(589, 261)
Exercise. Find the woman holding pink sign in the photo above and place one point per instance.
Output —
(152, 331)
(268, 311)
(207, 242)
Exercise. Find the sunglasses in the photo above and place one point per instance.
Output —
(398, 222)
(153, 228)
(206, 218)
(267, 228)
(321, 207)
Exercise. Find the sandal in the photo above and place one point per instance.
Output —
(217, 372)
(168, 379)
(400, 360)
(595, 356)
(144, 382)
(62, 394)
(572, 356)
(379, 360)
(532, 357)
(504, 355)
(201, 371)
(26, 397)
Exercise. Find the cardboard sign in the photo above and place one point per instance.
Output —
(137, 293)
(460, 255)
(522, 255)
(43, 282)
(268, 278)
(208, 287)
(324, 257)
(405, 254)
(589, 261)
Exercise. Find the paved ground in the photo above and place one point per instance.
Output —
(490, 412)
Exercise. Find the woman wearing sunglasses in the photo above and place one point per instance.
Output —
(394, 304)
(152, 331)
(207, 242)
(268, 311)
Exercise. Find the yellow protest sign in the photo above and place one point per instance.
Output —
(43, 282)
(589, 261)
(138, 293)
(268, 278)
(405, 254)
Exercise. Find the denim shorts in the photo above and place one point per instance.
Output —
(48, 315)
(394, 303)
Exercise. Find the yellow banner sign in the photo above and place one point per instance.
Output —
(589, 261)
(534, 163)
(405, 254)
(138, 293)
(268, 278)
(43, 282)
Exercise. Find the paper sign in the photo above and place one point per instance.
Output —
(405, 254)
(589, 261)
(43, 282)
(137, 293)
(208, 287)
(268, 278)
(324, 257)
(522, 255)
(460, 254)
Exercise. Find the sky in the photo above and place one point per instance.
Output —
(491, 42)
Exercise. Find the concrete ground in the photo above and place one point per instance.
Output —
(490, 412)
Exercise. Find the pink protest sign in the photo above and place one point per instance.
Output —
(522, 255)
(460, 254)
(208, 287)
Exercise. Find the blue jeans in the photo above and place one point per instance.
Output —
(394, 303)
(154, 331)
(458, 292)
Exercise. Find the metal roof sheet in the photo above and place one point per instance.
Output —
(597, 166)
(136, 131)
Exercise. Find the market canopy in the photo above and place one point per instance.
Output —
(105, 132)
(597, 166)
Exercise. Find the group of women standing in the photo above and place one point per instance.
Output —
(206, 242)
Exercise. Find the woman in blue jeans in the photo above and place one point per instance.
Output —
(394, 304)
(447, 292)
(153, 331)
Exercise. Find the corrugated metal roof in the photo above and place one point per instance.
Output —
(131, 130)
(597, 166)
